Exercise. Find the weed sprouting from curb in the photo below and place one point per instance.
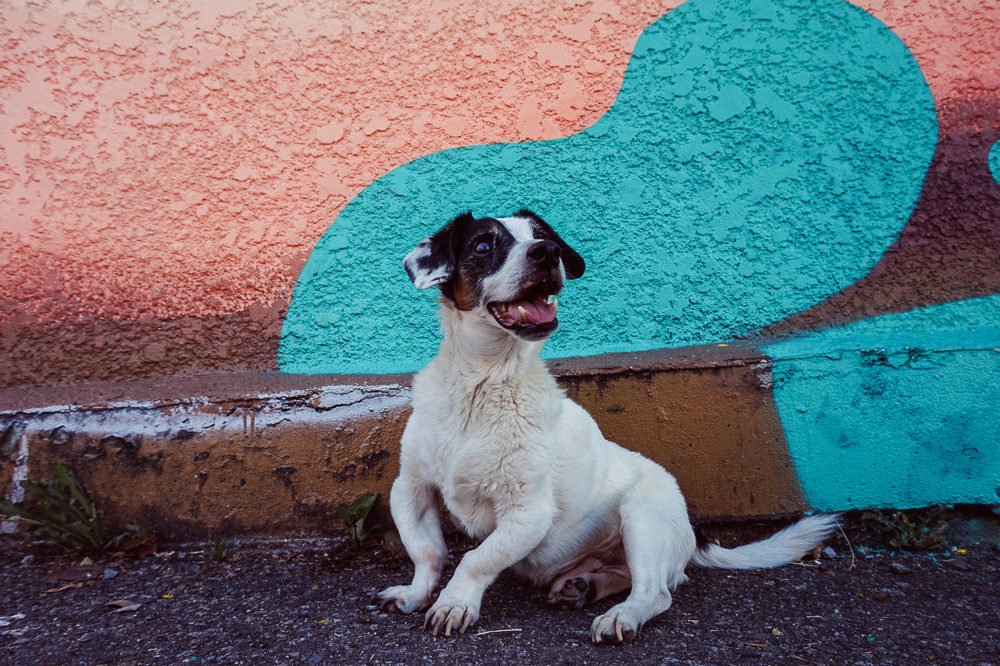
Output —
(60, 514)
(912, 529)
(355, 515)
(218, 551)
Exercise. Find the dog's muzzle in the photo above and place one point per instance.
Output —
(532, 315)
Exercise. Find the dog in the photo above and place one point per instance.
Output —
(522, 468)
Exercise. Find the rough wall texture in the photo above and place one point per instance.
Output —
(167, 168)
(819, 178)
(759, 158)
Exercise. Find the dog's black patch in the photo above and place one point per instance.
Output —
(465, 251)
(572, 261)
(438, 256)
(484, 249)
(459, 256)
(479, 248)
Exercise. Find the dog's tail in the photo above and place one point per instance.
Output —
(781, 548)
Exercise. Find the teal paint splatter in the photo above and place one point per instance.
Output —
(760, 157)
(895, 411)
(994, 160)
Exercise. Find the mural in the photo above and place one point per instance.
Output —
(167, 168)
(898, 410)
(756, 161)
(763, 169)
(819, 179)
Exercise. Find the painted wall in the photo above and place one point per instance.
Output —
(756, 161)
(167, 168)
(898, 410)
(191, 189)
(767, 169)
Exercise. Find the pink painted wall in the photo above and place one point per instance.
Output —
(167, 168)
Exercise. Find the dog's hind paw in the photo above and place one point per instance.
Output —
(401, 599)
(615, 626)
(446, 617)
(574, 593)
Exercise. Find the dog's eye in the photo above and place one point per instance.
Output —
(482, 247)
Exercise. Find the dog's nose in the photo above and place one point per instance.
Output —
(544, 254)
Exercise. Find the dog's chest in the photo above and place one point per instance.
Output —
(492, 445)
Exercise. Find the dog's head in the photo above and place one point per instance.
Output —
(509, 269)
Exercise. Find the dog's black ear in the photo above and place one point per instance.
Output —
(572, 262)
(432, 261)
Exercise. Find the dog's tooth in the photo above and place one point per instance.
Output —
(524, 314)
(555, 304)
(549, 299)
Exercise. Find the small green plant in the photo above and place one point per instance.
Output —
(913, 529)
(62, 515)
(356, 514)
(217, 552)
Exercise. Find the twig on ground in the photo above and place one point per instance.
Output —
(497, 631)
(849, 547)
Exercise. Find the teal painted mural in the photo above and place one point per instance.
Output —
(760, 162)
(994, 161)
(760, 157)
(901, 410)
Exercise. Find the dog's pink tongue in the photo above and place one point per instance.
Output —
(538, 312)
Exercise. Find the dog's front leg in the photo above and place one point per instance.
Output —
(520, 528)
(414, 510)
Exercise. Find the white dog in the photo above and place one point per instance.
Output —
(523, 468)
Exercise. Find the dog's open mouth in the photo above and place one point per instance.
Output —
(532, 314)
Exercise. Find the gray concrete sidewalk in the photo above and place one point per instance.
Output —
(302, 606)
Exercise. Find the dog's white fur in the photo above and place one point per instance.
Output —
(527, 471)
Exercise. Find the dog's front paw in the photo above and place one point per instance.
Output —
(402, 599)
(615, 626)
(445, 616)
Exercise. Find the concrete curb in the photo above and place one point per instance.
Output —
(275, 455)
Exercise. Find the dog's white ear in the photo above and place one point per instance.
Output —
(426, 270)
(432, 261)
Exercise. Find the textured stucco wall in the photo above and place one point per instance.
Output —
(167, 168)
(759, 158)
(797, 173)
(768, 169)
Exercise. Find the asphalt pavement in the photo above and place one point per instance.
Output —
(308, 602)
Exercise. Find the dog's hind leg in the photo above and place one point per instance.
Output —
(592, 579)
(657, 548)
(415, 512)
